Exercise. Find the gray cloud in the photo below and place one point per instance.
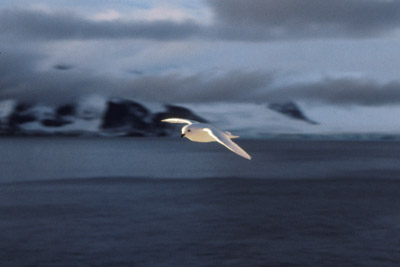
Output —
(256, 20)
(22, 76)
(14, 66)
(234, 86)
(25, 24)
(62, 67)
(261, 19)
(22, 80)
(345, 91)
(258, 87)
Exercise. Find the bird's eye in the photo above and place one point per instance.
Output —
(188, 130)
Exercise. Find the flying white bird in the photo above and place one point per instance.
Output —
(202, 132)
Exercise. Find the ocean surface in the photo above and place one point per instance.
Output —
(170, 202)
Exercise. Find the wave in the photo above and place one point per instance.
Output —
(377, 176)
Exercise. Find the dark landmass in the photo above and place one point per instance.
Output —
(121, 117)
(291, 110)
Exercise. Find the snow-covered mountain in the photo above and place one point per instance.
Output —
(126, 117)
(113, 117)
(294, 120)
(291, 110)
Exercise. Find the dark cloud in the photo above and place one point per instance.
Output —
(256, 20)
(22, 77)
(268, 19)
(136, 72)
(258, 87)
(22, 80)
(62, 26)
(234, 86)
(345, 91)
(13, 66)
(62, 67)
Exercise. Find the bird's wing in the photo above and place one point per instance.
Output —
(178, 120)
(224, 140)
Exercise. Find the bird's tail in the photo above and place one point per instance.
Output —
(230, 135)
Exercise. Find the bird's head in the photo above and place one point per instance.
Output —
(187, 131)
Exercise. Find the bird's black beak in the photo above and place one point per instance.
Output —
(182, 135)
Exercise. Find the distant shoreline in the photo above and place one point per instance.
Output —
(272, 136)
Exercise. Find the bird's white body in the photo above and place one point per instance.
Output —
(195, 133)
(204, 133)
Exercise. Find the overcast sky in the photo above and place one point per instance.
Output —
(342, 52)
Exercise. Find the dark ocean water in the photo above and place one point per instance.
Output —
(162, 202)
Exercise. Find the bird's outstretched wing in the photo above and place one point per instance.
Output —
(224, 140)
(178, 120)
